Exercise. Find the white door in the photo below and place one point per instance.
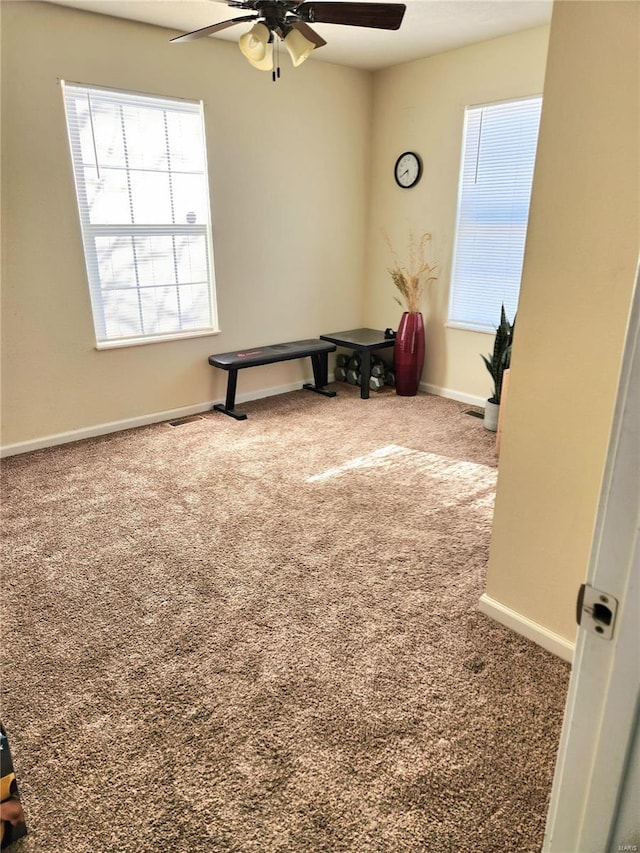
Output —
(596, 745)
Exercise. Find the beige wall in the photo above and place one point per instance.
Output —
(580, 265)
(296, 201)
(289, 173)
(420, 105)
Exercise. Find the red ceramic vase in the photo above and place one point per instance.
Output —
(409, 354)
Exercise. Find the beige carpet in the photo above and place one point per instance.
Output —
(263, 636)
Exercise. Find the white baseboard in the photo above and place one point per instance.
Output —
(185, 411)
(553, 643)
(142, 420)
(451, 394)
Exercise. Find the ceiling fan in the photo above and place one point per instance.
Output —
(290, 21)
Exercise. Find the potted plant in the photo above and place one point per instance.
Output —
(496, 363)
(410, 281)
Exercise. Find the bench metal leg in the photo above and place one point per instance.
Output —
(320, 364)
(229, 406)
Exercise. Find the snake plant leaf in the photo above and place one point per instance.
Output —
(500, 359)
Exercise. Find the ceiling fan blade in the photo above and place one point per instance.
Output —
(240, 4)
(383, 16)
(214, 28)
(307, 32)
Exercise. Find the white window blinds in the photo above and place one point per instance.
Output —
(496, 174)
(141, 180)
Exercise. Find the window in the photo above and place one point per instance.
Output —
(141, 181)
(496, 173)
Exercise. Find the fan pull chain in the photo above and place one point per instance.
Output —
(275, 74)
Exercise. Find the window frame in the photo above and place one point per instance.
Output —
(481, 328)
(90, 232)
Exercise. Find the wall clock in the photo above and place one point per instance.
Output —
(407, 170)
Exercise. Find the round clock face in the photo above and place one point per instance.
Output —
(407, 170)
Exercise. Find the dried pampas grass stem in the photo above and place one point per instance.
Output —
(412, 278)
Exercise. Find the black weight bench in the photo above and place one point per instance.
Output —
(234, 361)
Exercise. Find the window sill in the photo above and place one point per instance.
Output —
(467, 327)
(158, 339)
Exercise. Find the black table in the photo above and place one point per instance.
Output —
(364, 341)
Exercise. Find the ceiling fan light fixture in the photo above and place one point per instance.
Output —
(266, 63)
(298, 46)
(254, 44)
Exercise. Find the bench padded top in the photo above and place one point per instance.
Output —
(268, 355)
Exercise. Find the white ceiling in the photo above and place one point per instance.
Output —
(429, 26)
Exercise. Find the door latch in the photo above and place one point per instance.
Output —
(596, 611)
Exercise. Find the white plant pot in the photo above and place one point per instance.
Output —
(491, 411)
